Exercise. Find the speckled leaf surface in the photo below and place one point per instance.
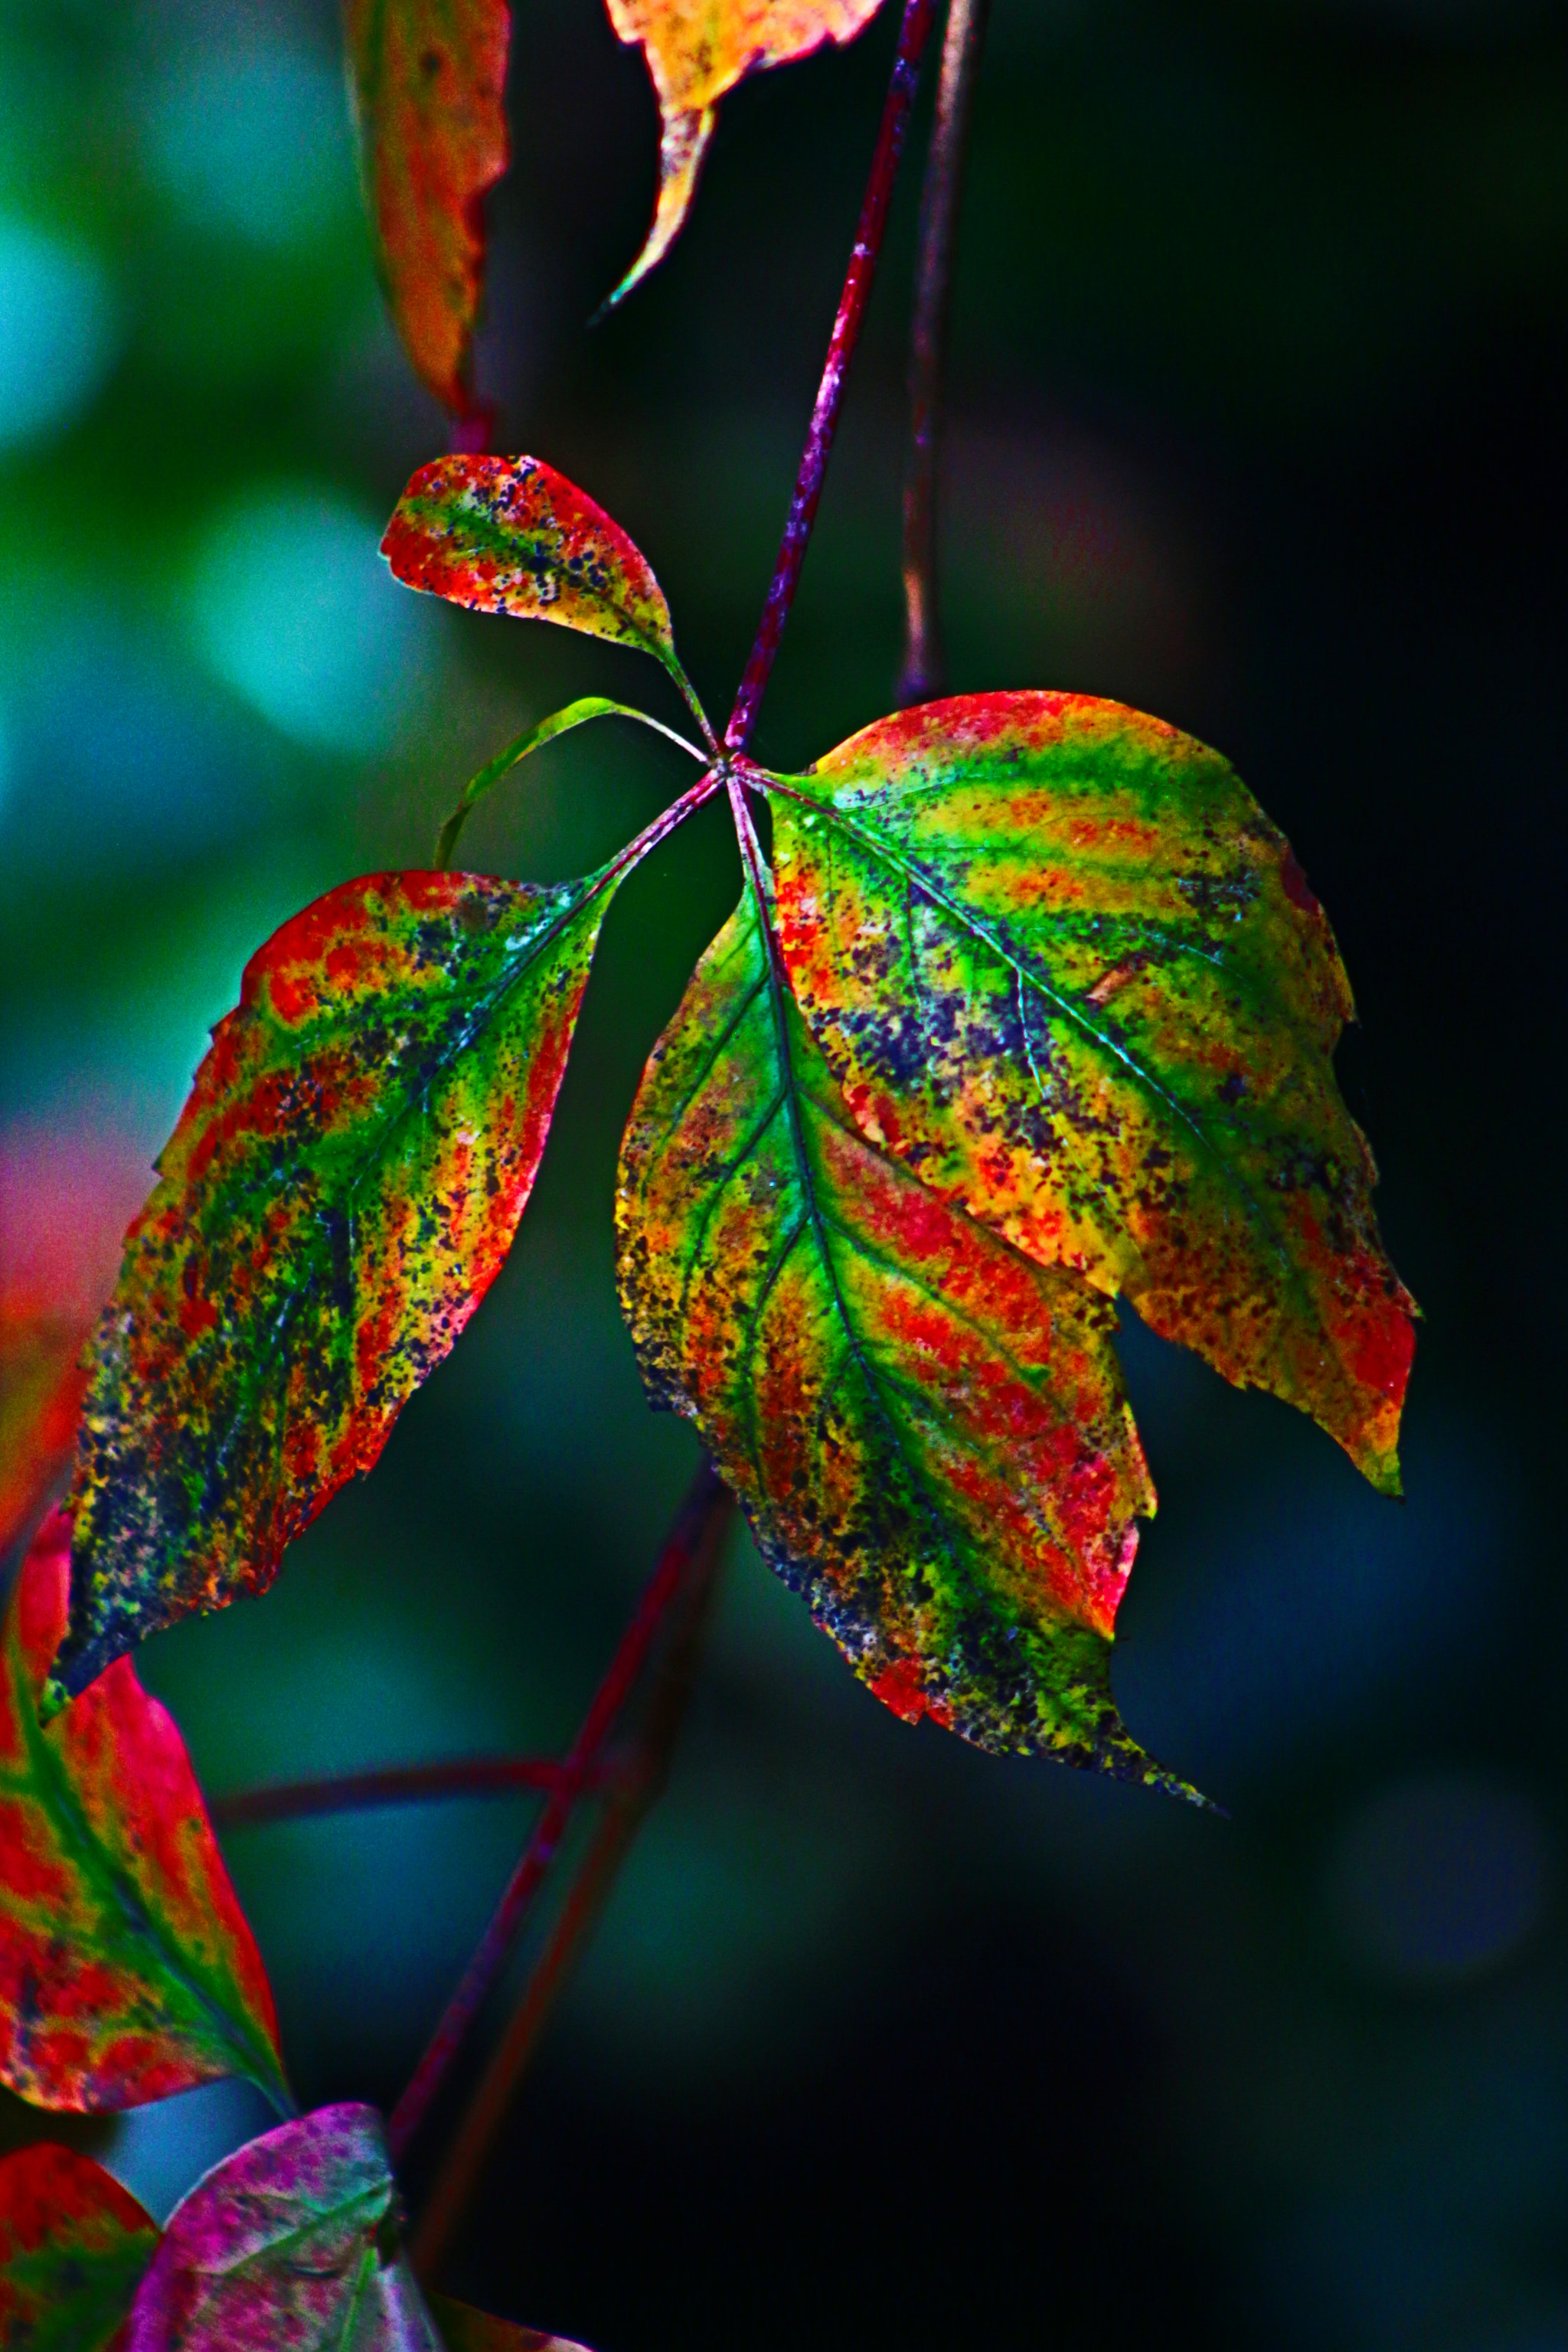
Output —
(512, 535)
(127, 1969)
(290, 2245)
(427, 78)
(928, 1431)
(341, 1189)
(696, 50)
(1063, 967)
(464, 2329)
(73, 2246)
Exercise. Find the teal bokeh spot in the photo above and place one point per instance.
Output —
(253, 143)
(293, 608)
(59, 331)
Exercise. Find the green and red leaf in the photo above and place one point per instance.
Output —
(927, 1429)
(292, 2241)
(73, 2246)
(1063, 966)
(696, 50)
(341, 1190)
(428, 79)
(127, 1969)
(512, 535)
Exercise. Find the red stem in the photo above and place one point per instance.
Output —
(352, 1792)
(830, 392)
(684, 1544)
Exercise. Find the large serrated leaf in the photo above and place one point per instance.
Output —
(928, 1431)
(127, 1969)
(696, 50)
(428, 78)
(1063, 965)
(341, 1189)
(73, 2246)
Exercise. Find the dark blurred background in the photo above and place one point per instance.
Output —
(1258, 422)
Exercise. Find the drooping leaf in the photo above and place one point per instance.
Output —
(696, 50)
(512, 535)
(1062, 964)
(464, 2329)
(341, 1190)
(291, 2241)
(927, 1429)
(560, 722)
(427, 78)
(127, 1969)
(73, 2246)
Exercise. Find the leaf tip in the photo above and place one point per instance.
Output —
(683, 143)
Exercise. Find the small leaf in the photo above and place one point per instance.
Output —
(127, 1969)
(293, 2241)
(340, 1191)
(696, 50)
(928, 1431)
(73, 2246)
(464, 2329)
(512, 535)
(560, 722)
(1063, 965)
(427, 78)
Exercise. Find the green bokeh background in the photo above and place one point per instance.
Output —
(1257, 410)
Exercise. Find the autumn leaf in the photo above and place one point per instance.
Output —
(512, 535)
(427, 78)
(927, 1429)
(464, 2329)
(1063, 966)
(126, 1971)
(696, 50)
(341, 1190)
(73, 2248)
(294, 2240)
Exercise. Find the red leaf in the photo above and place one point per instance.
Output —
(73, 2246)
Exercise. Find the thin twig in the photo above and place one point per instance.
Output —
(706, 1497)
(356, 1792)
(830, 392)
(629, 1800)
(924, 668)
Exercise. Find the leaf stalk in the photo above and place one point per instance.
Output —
(924, 671)
(847, 325)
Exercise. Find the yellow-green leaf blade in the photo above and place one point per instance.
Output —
(127, 1969)
(341, 1190)
(696, 50)
(1063, 966)
(927, 1429)
(428, 78)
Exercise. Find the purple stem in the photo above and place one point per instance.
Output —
(354, 1792)
(830, 392)
(683, 1545)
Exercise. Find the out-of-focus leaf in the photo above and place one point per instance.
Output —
(428, 76)
(928, 1430)
(291, 2241)
(73, 2246)
(41, 1389)
(512, 535)
(560, 722)
(696, 50)
(341, 1189)
(464, 2329)
(127, 1969)
(1062, 964)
